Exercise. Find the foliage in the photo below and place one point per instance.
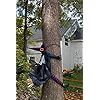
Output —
(72, 9)
(22, 68)
(75, 7)
(22, 64)
(34, 12)
(76, 75)
(24, 86)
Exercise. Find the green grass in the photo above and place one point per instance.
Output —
(77, 75)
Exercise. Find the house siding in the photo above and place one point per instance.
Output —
(33, 53)
(76, 53)
(65, 51)
(71, 54)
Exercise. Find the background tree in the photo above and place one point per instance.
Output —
(25, 27)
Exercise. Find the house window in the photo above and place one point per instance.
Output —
(66, 40)
(66, 43)
(32, 58)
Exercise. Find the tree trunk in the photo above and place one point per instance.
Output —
(25, 28)
(51, 39)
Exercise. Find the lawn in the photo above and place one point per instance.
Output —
(75, 80)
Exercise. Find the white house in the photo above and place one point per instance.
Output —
(71, 45)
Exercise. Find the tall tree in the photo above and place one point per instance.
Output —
(25, 27)
(51, 39)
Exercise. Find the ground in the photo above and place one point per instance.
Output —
(72, 96)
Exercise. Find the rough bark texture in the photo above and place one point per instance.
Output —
(50, 15)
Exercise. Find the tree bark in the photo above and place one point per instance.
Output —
(51, 39)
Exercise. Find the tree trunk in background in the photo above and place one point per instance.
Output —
(51, 35)
(25, 28)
